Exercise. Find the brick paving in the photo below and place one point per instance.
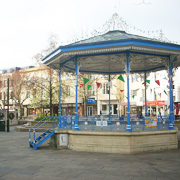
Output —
(19, 162)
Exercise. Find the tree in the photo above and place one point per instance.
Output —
(46, 88)
(20, 88)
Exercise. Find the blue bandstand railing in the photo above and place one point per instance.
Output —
(115, 123)
(95, 123)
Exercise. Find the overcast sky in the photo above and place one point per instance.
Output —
(26, 25)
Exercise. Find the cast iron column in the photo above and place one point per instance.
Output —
(59, 126)
(128, 113)
(76, 100)
(171, 96)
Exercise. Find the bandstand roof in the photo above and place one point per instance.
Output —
(107, 54)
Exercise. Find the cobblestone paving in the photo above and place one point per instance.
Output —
(19, 162)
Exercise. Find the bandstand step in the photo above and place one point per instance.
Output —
(41, 139)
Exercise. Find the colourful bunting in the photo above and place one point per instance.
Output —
(86, 80)
(98, 84)
(148, 81)
(121, 90)
(158, 82)
(81, 85)
(121, 78)
(133, 96)
(151, 90)
(171, 81)
(165, 92)
(126, 97)
(89, 86)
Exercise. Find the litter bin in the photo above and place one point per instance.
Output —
(2, 125)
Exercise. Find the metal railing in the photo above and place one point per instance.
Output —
(41, 123)
(103, 123)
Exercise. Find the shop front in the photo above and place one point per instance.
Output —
(91, 107)
(153, 107)
(69, 109)
(133, 108)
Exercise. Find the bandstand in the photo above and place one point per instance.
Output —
(115, 52)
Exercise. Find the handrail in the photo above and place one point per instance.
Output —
(38, 122)
(44, 122)
(34, 129)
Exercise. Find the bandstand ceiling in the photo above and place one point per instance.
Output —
(107, 53)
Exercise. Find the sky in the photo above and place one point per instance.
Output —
(27, 25)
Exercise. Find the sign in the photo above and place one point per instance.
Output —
(150, 122)
(63, 139)
(11, 108)
(91, 101)
(125, 103)
(154, 103)
(101, 123)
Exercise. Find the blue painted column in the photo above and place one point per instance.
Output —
(59, 126)
(128, 113)
(171, 96)
(145, 94)
(76, 127)
(109, 98)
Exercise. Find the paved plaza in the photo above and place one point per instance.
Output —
(19, 162)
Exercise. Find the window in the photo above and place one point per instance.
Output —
(11, 95)
(5, 83)
(34, 80)
(143, 92)
(43, 93)
(115, 109)
(92, 77)
(68, 91)
(105, 76)
(142, 77)
(43, 78)
(133, 77)
(134, 92)
(4, 95)
(105, 88)
(68, 75)
(28, 81)
(91, 92)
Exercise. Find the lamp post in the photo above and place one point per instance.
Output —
(8, 105)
